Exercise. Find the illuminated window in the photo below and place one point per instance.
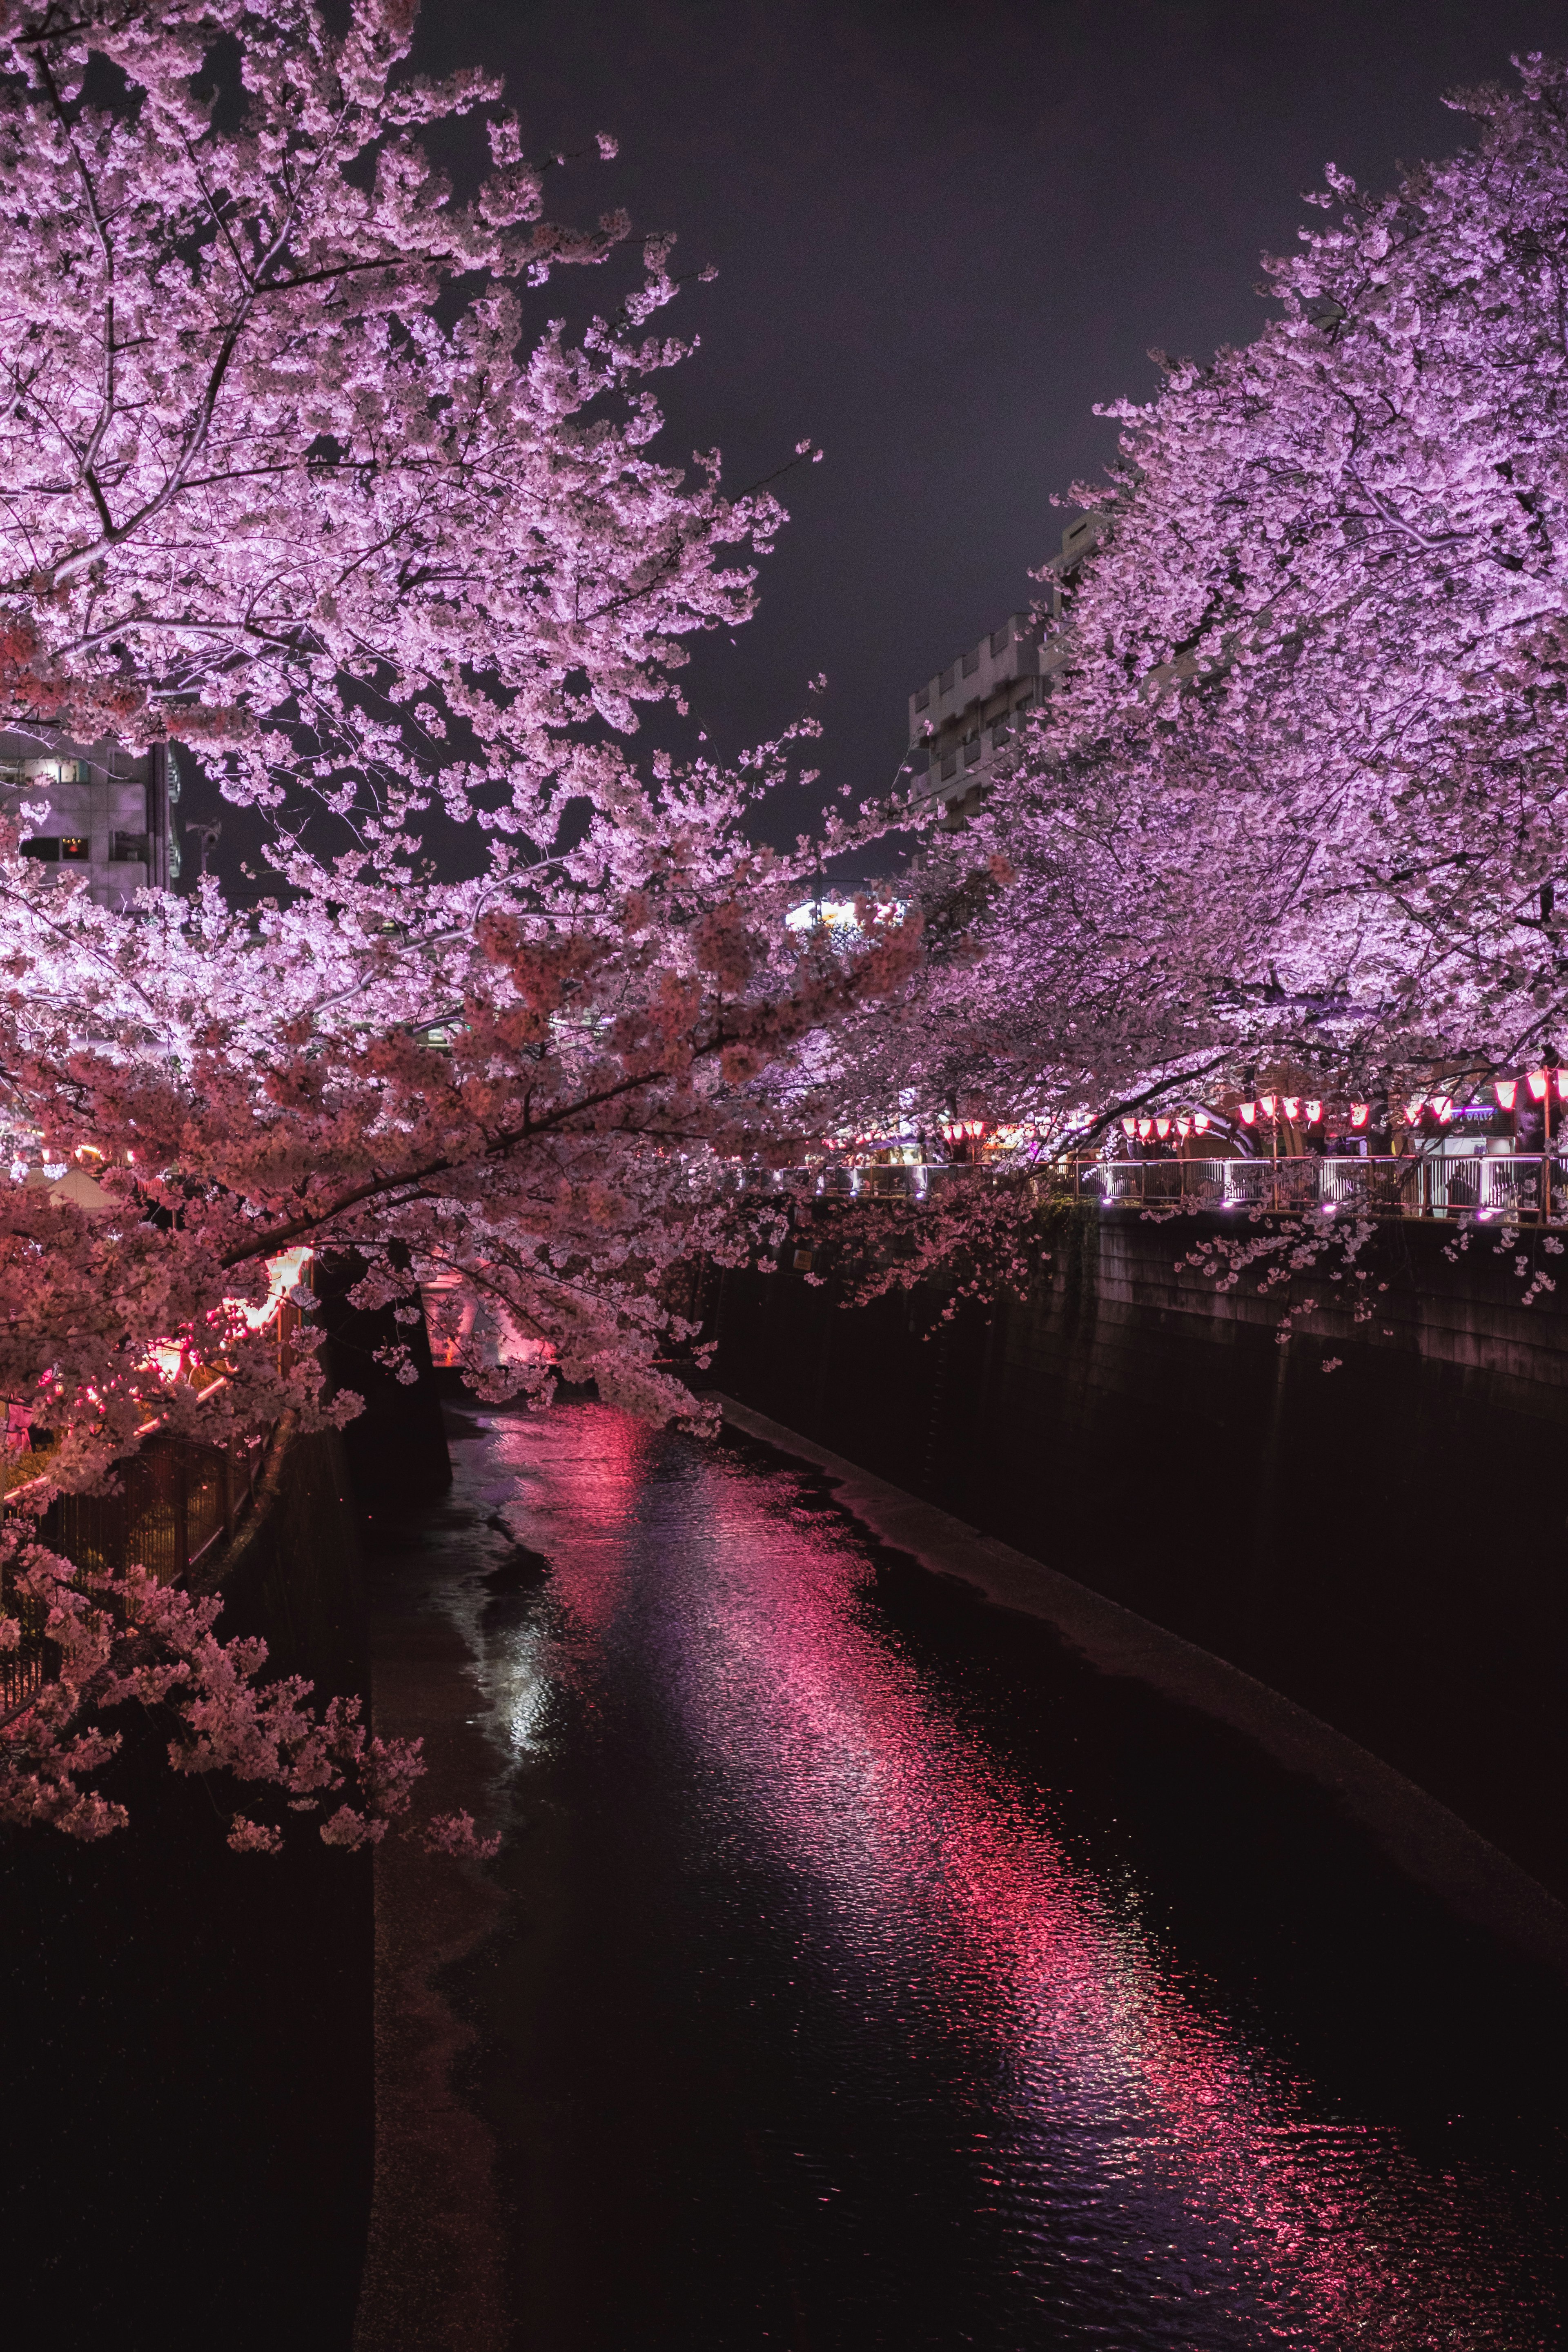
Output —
(77, 846)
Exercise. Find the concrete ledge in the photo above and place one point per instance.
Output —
(1417, 1832)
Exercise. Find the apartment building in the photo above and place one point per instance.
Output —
(963, 721)
(110, 815)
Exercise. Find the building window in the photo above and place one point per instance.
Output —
(128, 849)
(922, 699)
(999, 640)
(949, 765)
(947, 679)
(971, 661)
(77, 847)
(45, 845)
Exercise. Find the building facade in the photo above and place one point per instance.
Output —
(963, 721)
(110, 815)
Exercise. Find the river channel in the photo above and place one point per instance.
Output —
(869, 1972)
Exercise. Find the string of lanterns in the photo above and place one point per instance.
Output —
(1539, 1084)
(1186, 1123)
(1289, 1105)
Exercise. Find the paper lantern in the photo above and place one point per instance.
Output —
(1145, 1128)
(1537, 1084)
(1359, 1114)
(1249, 1113)
(1162, 1129)
(1505, 1090)
(1184, 1127)
(1562, 1085)
(1444, 1107)
(1314, 1113)
(1200, 1121)
(1130, 1127)
(1413, 1108)
(1266, 1105)
(1292, 1108)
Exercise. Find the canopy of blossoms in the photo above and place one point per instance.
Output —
(293, 472)
(1297, 791)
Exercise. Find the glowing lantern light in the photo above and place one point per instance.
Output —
(1249, 1113)
(1184, 1127)
(1562, 1085)
(1266, 1105)
(1538, 1083)
(1359, 1114)
(1145, 1127)
(1200, 1121)
(1162, 1129)
(284, 1273)
(1444, 1107)
(1130, 1126)
(1505, 1090)
(1413, 1108)
(1292, 1108)
(1314, 1113)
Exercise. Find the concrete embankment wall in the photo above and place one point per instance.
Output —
(186, 2034)
(1386, 1543)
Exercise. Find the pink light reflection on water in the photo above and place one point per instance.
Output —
(1119, 2094)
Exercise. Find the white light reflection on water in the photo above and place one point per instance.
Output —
(1136, 2169)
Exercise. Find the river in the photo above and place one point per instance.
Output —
(871, 1972)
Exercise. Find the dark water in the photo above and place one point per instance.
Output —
(875, 1975)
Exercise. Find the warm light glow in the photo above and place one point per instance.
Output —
(1266, 1104)
(1444, 1107)
(1538, 1079)
(1130, 1126)
(1162, 1129)
(283, 1274)
(1184, 1127)
(1200, 1121)
(1292, 1108)
(1562, 1085)
(1505, 1090)
(1249, 1113)
(1359, 1114)
(1413, 1108)
(1314, 1113)
(1145, 1127)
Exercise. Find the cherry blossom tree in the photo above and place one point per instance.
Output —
(287, 477)
(1298, 789)
(286, 470)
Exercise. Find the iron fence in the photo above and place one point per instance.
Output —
(1427, 1185)
(1490, 1185)
(172, 1501)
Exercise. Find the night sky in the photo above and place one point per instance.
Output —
(943, 231)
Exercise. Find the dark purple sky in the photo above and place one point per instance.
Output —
(943, 231)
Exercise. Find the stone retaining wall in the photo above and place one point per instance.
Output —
(1385, 1543)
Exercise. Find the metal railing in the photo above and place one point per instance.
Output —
(177, 1499)
(1422, 1184)
(174, 1501)
(1425, 1184)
